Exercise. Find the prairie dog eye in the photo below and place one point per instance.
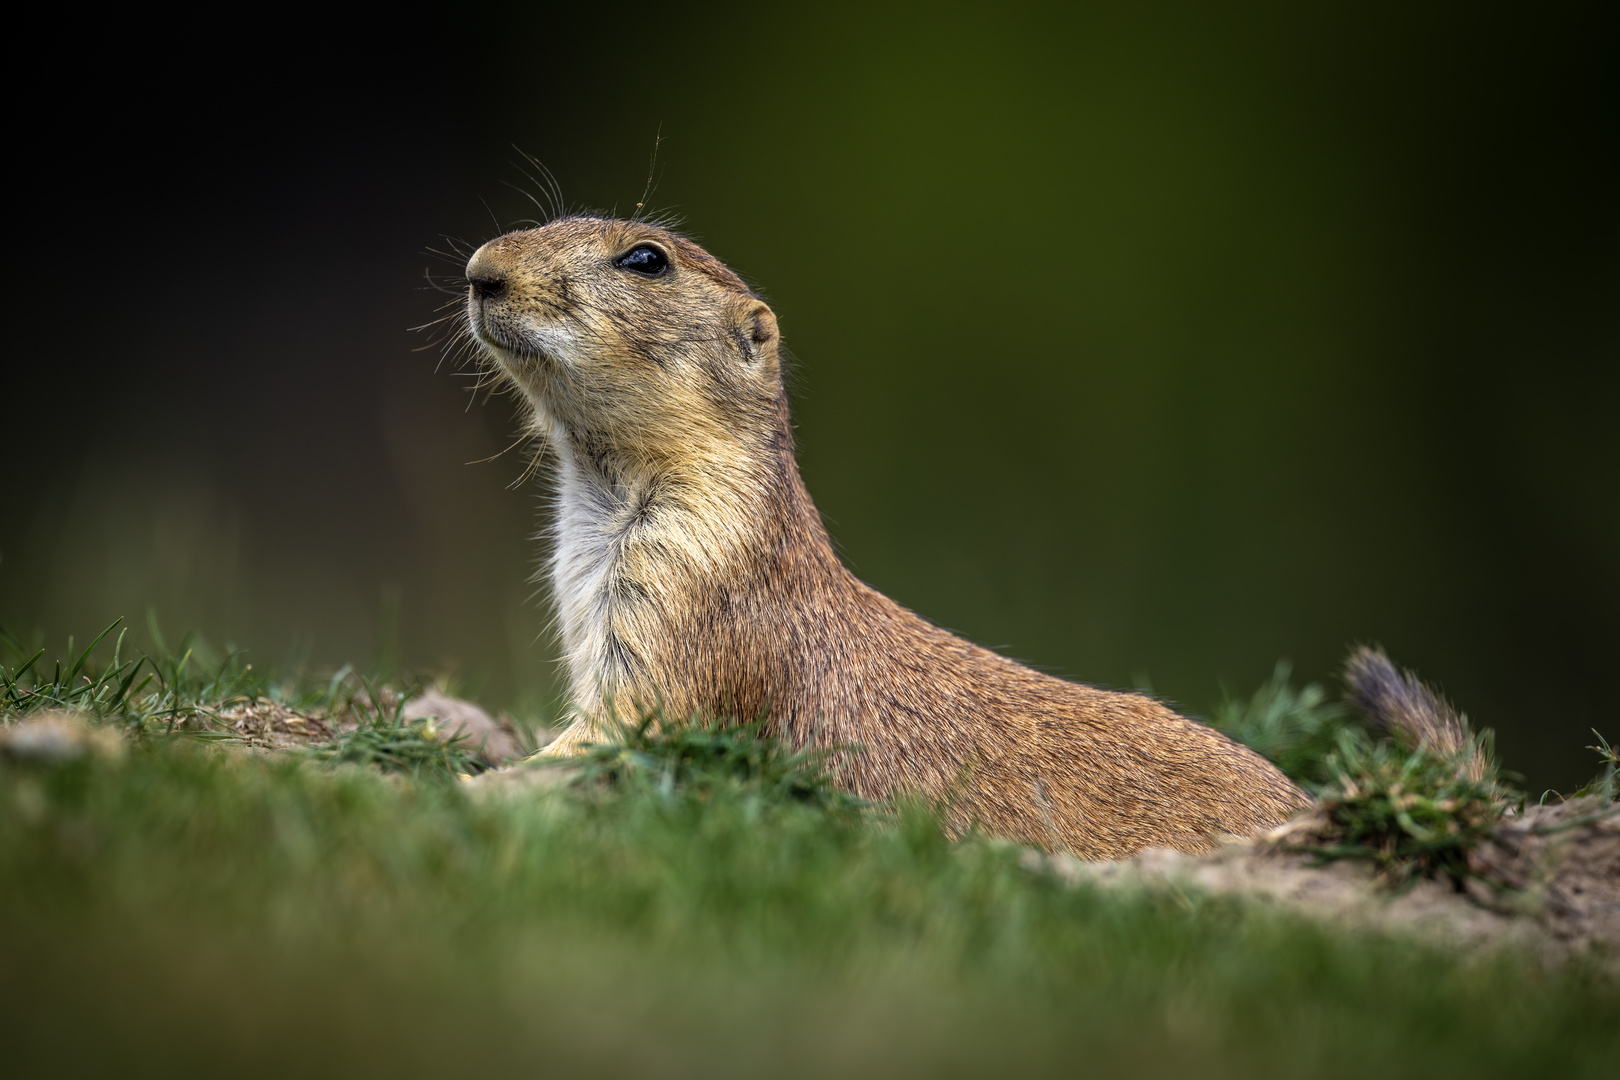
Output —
(646, 260)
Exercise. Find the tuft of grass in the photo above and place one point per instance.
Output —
(184, 690)
(1297, 729)
(1413, 811)
(383, 739)
(696, 757)
(101, 690)
(170, 690)
(1606, 784)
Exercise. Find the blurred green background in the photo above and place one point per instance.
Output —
(1147, 343)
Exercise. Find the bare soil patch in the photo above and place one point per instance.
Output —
(269, 725)
(1549, 880)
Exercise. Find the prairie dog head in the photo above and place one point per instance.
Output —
(625, 335)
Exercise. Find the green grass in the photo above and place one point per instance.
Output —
(1606, 784)
(1297, 728)
(698, 902)
(184, 691)
(167, 690)
(698, 757)
(1411, 811)
(385, 740)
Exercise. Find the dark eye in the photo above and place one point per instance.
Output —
(645, 259)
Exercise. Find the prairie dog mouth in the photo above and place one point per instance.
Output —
(523, 344)
(486, 331)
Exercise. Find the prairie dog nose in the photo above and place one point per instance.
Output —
(485, 276)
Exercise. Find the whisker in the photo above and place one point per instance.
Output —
(492, 217)
(553, 189)
(652, 169)
(533, 467)
(526, 193)
(521, 439)
(432, 283)
(455, 258)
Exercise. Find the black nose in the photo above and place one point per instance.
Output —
(486, 286)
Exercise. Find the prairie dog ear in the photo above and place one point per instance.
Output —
(756, 331)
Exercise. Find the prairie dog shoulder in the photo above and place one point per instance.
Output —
(690, 567)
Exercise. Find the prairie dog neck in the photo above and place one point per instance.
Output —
(653, 375)
(632, 539)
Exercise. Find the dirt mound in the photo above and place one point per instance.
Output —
(1548, 880)
(269, 725)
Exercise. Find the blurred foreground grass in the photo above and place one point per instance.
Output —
(184, 908)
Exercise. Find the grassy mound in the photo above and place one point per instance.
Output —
(697, 902)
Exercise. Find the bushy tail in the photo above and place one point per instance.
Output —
(1397, 702)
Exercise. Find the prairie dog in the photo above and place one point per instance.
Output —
(691, 570)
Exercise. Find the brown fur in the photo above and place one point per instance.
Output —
(693, 571)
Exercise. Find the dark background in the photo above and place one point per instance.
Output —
(1138, 341)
